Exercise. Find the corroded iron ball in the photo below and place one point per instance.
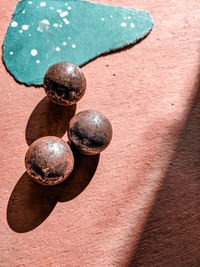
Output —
(64, 83)
(49, 160)
(90, 132)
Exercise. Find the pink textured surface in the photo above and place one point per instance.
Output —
(142, 205)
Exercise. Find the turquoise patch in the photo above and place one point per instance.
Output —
(42, 33)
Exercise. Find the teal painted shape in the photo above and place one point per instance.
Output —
(42, 33)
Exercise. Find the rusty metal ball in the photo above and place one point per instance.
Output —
(49, 160)
(64, 83)
(90, 132)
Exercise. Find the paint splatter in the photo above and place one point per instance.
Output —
(123, 24)
(25, 27)
(43, 4)
(66, 30)
(66, 21)
(34, 52)
(63, 14)
(14, 24)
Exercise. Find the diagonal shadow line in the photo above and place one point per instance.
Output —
(171, 235)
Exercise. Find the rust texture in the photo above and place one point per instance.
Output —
(49, 160)
(64, 83)
(90, 132)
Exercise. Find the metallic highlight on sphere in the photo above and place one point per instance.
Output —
(90, 132)
(49, 160)
(64, 83)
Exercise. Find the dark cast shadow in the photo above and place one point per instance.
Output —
(84, 170)
(31, 203)
(171, 236)
(48, 119)
(117, 50)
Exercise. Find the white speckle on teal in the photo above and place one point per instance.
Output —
(14, 24)
(69, 8)
(34, 52)
(53, 45)
(45, 21)
(43, 25)
(63, 14)
(59, 10)
(20, 31)
(38, 61)
(23, 11)
(42, 4)
(30, 2)
(11, 53)
(25, 27)
(66, 21)
(123, 24)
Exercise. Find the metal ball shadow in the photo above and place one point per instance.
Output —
(48, 119)
(84, 170)
(31, 203)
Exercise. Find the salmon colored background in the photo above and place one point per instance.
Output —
(138, 204)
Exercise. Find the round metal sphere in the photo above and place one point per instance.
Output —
(64, 83)
(90, 132)
(49, 160)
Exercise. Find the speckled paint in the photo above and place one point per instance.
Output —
(42, 33)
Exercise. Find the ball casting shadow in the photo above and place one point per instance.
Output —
(48, 119)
